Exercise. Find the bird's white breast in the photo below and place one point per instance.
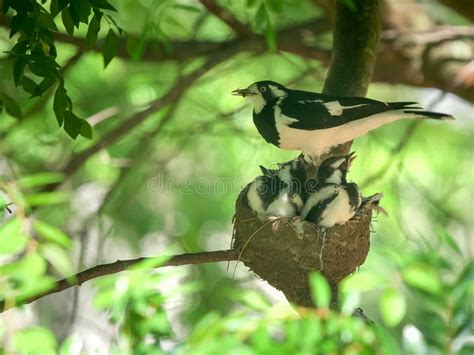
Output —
(317, 142)
(284, 205)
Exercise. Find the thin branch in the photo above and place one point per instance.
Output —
(78, 160)
(401, 145)
(226, 16)
(138, 154)
(122, 265)
(396, 51)
(183, 50)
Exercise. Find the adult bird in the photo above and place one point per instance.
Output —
(313, 123)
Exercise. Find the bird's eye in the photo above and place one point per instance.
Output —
(263, 89)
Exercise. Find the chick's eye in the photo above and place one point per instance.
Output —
(263, 89)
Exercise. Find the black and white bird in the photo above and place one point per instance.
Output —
(335, 201)
(313, 123)
(278, 192)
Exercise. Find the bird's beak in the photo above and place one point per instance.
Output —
(242, 92)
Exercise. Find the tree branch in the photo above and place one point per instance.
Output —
(356, 35)
(122, 265)
(78, 160)
(398, 60)
(355, 40)
(227, 17)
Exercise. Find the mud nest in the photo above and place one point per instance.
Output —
(284, 250)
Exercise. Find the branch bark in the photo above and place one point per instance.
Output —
(398, 60)
(226, 16)
(122, 265)
(355, 38)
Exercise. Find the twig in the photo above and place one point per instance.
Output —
(115, 134)
(227, 17)
(122, 265)
(402, 144)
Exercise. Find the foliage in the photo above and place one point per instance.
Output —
(34, 54)
(173, 180)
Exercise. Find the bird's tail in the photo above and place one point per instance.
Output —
(373, 202)
(417, 112)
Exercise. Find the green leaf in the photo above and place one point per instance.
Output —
(48, 198)
(83, 10)
(57, 6)
(74, 14)
(28, 85)
(86, 129)
(363, 281)
(52, 234)
(393, 306)
(11, 106)
(6, 5)
(350, 4)
(60, 104)
(47, 21)
(275, 6)
(189, 8)
(93, 30)
(261, 17)
(253, 299)
(40, 179)
(18, 69)
(57, 257)
(45, 85)
(102, 4)
(40, 70)
(34, 341)
(270, 37)
(320, 290)
(72, 124)
(67, 21)
(449, 241)
(109, 50)
(12, 240)
(422, 277)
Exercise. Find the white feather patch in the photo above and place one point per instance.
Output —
(258, 102)
(336, 109)
(276, 91)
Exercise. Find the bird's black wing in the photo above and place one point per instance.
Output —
(315, 213)
(318, 111)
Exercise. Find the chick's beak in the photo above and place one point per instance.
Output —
(242, 92)
(350, 158)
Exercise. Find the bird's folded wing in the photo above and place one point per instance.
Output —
(316, 111)
(316, 213)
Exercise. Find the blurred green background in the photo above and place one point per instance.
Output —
(169, 185)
